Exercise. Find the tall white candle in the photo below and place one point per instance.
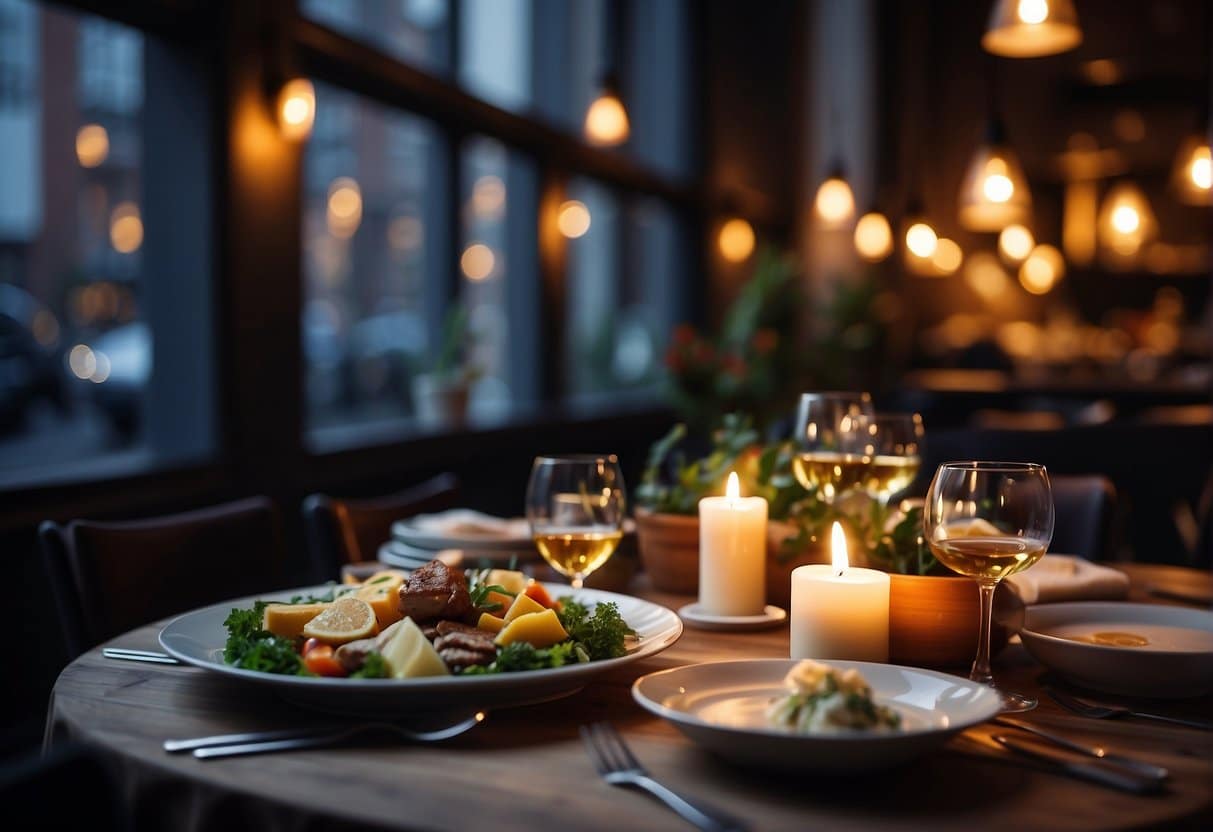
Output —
(732, 553)
(838, 611)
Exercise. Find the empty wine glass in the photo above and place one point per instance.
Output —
(831, 433)
(575, 507)
(988, 520)
(894, 444)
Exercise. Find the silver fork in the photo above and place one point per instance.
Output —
(619, 767)
(238, 745)
(1095, 711)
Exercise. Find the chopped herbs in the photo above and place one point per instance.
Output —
(251, 647)
(602, 634)
(522, 656)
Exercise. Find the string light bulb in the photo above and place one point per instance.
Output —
(1015, 243)
(994, 192)
(873, 237)
(736, 240)
(573, 219)
(296, 109)
(834, 203)
(606, 120)
(1031, 28)
(1042, 269)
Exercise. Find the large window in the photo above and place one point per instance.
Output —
(429, 281)
(79, 320)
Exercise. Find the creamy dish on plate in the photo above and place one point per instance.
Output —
(821, 698)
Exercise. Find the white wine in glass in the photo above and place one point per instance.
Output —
(831, 456)
(894, 445)
(575, 506)
(989, 520)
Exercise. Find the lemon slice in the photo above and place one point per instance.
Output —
(346, 619)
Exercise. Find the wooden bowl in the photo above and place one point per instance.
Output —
(934, 620)
(669, 550)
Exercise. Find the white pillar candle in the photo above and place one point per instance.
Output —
(732, 553)
(839, 612)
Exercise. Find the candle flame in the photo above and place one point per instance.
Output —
(838, 548)
(733, 489)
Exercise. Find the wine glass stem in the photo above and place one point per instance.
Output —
(981, 665)
(577, 581)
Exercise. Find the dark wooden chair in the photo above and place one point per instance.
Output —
(344, 531)
(111, 577)
(1086, 519)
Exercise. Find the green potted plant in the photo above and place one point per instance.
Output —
(441, 392)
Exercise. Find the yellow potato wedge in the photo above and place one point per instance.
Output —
(522, 605)
(490, 622)
(539, 629)
(288, 620)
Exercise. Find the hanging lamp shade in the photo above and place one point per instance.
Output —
(994, 192)
(919, 238)
(1126, 223)
(873, 237)
(1031, 28)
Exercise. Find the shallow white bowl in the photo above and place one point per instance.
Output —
(721, 705)
(1177, 663)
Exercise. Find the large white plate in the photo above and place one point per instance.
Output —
(1177, 663)
(197, 638)
(721, 705)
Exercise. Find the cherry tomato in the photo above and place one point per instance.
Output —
(319, 660)
(310, 645)
(540, 595)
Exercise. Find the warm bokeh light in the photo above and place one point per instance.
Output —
(985, 276)
(835, 204)
(92, 145)
(606, 121)
(1079, 221)
(126, 228)
(1031, 28)
(82, 361)
(488, 196)
(1102, 71)
(477, 261)
(1192, 178)
(296, 109)
(1015, 243)
(344, 213)
(947, 256)
(1126, 222)
(873, 237)
(921, 240)
(736, 240)
(103, 367)
(994, 192)
(1041, 271)
(573, 219)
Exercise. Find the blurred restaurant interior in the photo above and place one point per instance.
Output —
(292, 247)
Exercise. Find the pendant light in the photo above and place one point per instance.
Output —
(873, 237)
(994, 192)
(1031, 28)
(1126, 223)
(1192, 174)
(919, 238)
(606, 120)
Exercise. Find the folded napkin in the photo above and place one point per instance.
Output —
(464, 522)
(1068, 578)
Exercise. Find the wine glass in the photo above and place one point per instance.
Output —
(831, 429)
(894, 444)
(988, 520)
(575, 507)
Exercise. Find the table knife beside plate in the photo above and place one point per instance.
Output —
(1140, 767)
(1117, 778)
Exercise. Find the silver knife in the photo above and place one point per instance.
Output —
(1116, 778)
(147, 656)
(1099, 752)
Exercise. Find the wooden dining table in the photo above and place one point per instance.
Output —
(526, 769)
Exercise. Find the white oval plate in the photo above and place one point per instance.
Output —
(1177, 663)
(197, 638)
(694, 616)
(721, 705)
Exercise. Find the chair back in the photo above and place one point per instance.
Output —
(343, 531)
(111, 577)
(1085, 510)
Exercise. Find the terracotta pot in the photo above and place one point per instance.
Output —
(934, 621)
(669, 550)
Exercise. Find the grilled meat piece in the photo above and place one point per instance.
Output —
(352, 655)
(435, 591)
(480, 643)
(457, 659)
(445, 627)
